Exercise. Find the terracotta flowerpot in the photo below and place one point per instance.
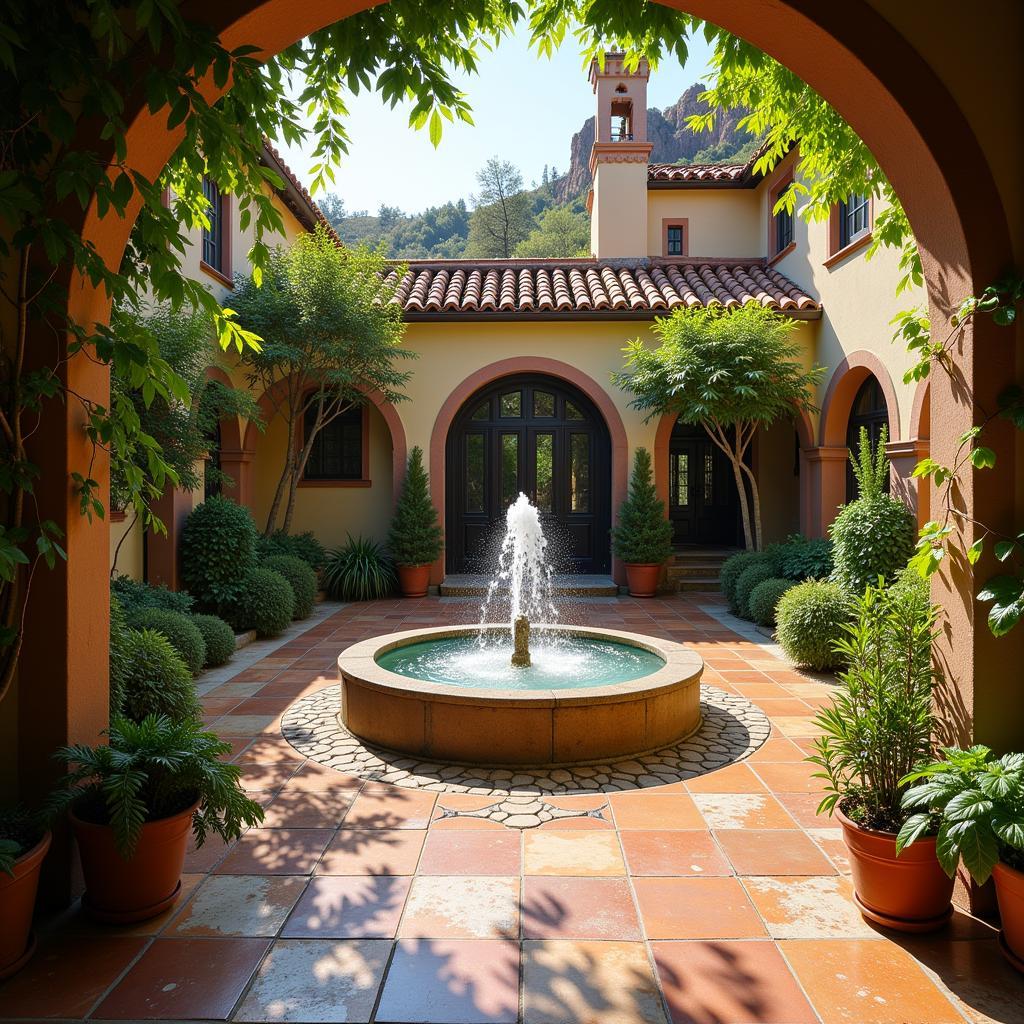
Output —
(413, 580)
(17, 901)
(1010, 894)
(120, 891)
(642, 579)
(909, 893)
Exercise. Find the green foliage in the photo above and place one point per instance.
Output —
(133, 595)
(218, 547)
(732, 567)
(811, 619)
(19, 833)
(765, 597)
(759, 572)
(439, 231)
(330, 336)
(179, 631)
(219, 638)
(119, 664)
(874, 534)
(299, 545)
(266, 603)
(801, 559)
(879, 726)
(502, 218)
(157, 681)
(643, 535)
(154, 769)
(560, 232)
(416, 537)
(301, 579)
(732, 371)
(980, 801)
(359, 571)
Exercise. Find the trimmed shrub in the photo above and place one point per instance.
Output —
(219, 638)
(811, 617)
(300, 577)
(910, 581)
(299, 545)
(181, 633)
(416, 537)
(736, 565)
(118, 663)
(754, 574)
(218, 548)
(644, 534)
(133, 595)
(158, 682)
(765, 596)
(360, 571)
(266, 603)
(801, 559)
(874, 534)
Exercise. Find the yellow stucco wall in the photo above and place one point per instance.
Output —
(721, 222)
(618, 222)
(126, 560)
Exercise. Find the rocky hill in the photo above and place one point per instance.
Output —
(673, 142)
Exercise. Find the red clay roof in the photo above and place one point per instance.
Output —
(466, 289)
(696, 172)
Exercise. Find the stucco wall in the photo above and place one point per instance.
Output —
(721, 222)
(618, 223)
(127, 534)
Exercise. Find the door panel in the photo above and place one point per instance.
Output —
(702, 502)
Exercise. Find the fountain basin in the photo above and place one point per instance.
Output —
(550, 725)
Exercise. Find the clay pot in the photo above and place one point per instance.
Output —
(1010, 894)
(413, 580)
(642, 579)
(909, 893)
(121, 891)
(17, 901)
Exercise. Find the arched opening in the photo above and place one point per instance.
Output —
(870, 413)
(703, 502)
(539, 435)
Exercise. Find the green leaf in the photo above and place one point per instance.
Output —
(983, 458)
(1007, 595)
(947, 850)
(435, 129)
(968, 806)
(974, 551)
(980, 851)
(913, 828)
(1003, 549)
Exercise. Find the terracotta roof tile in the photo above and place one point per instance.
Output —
(524, 288)
(696, 172)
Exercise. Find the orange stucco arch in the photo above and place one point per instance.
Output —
(920, 411)
(842, 388)
(507, 368)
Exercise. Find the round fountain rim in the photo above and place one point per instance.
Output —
(359, 662)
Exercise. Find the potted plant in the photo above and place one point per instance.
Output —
(875, 734)
(133, 803)
(643, 538)
(981, 804)
(415, 540)
(23, 845)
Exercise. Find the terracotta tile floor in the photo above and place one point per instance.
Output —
(724, 900)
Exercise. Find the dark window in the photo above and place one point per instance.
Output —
(783, 229)
(338, 449)
(213, 236)
(674, 240)
(854, 219)
(870, 412)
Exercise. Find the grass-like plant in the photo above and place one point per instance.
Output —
(154, 769)
(359, 571)
(878, 729)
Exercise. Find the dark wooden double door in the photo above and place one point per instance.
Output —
(542, 437)
(702, 498)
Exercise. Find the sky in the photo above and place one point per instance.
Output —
(525, 108)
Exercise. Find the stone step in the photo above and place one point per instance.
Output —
(564, 585)
(695, 584)
(704, 555)
(694, 569)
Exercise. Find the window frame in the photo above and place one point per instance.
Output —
(363, 479)
(841, 244)
(776, 251)
(219, 246)
(683, 223)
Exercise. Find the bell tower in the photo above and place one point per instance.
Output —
(618, 160)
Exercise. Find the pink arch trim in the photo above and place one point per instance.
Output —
(842, 389)
(506, 368)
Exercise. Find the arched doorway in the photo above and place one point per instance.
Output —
(702, 500)
(871, 413)
(536, 434)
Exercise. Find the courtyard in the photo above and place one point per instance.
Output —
(613, 898)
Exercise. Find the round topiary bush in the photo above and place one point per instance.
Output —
(765, 596)
(157, 681)
(810, 618)
(754, 574)
(730, 572)
(181, 633)
(301, 578)
(265, 604)
(218, 547)
(219, 638)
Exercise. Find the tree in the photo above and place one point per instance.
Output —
(416, 537)
(502, 218)
(733, 371)
(643, 535)
(333, 208)
(559, 232)
(330, 335)
(180, 427)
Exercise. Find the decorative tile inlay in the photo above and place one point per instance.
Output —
(732, 729)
